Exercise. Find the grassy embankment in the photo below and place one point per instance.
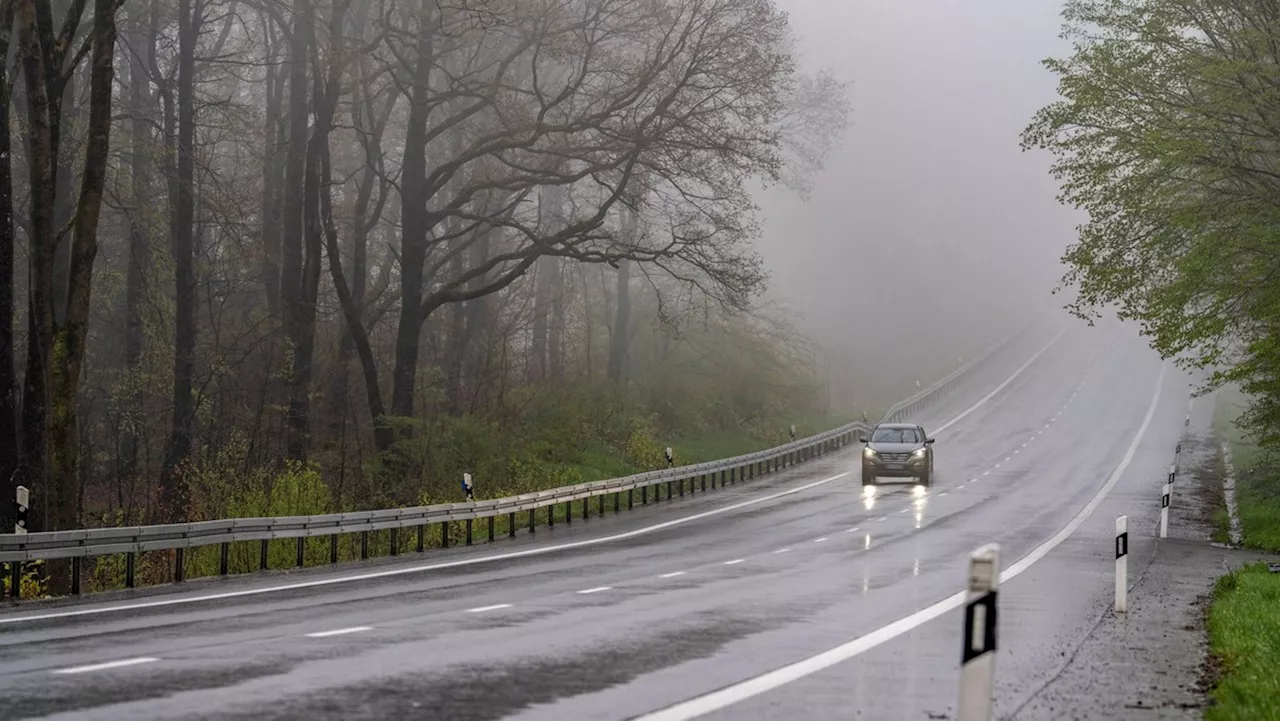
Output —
(532, 453)
(1244, 619)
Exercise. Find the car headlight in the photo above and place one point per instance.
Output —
(918, 454)
(868, 453)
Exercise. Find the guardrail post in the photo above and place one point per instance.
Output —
(600, 509)
(1122, 564)
(704, 483)
(444, 534)
(395, 542)
(302, 551)
(631, 498)
(364, 545)
(179, 569)
(533, 517)
(224, 559)
(586, 508)
(551, 515)
(262, 555)
(978, 655)
(490, 520)
(15, 579)
(333, 548)
(75, 575)
(681, 488)
(129, 576)
(644, 495)
(669, 490)
(568, 512)
(1164, 510)
(511, 525)
(617, 498)
(468, 531)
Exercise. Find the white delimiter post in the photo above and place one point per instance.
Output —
(978, 657)
(1122, 564)
(1164, 509)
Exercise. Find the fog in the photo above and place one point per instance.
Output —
(930, 229)
(298, 235)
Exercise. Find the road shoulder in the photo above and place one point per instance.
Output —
(1153, 662)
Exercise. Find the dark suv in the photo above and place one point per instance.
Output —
(899, 450)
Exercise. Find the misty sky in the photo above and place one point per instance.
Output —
(930, 201)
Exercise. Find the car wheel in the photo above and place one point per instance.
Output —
(926, 479)
(868, 480)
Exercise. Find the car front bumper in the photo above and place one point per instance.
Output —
(911, 467)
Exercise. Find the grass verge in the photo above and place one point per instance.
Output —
(1257, 482)
(1244, 638)
(1244, 618)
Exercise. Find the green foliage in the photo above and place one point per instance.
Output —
(220, 483)
(34, 582)
(1257, 475)
(643, 452)
(1244, 637)
(1166, 135)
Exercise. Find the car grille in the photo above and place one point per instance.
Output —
(894, 457)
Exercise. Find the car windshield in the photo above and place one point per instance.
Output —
(895, 435)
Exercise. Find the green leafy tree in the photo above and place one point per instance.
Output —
(1168, 135)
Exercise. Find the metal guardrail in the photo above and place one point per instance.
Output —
(177, 537)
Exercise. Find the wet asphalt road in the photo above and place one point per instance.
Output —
(758, 576)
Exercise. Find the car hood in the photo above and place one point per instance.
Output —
(895, 447)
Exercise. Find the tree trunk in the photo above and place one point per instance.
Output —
(415, 224)
(69, 346)
(10, 443)
(555, 340)
(383, 436)
(171, 504)
(455, 347)
(272, 183)
(40, 158)
(64, 201)
(292, 277)
(621, 338)
(139, 258)
(620, 341)
(479, 311)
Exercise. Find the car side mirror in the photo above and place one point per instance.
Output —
(862, 439)
(929, 441)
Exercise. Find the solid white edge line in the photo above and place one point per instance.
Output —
(743, 690)
(387, 573)
(339, 632)
(597, 589)
(734, 561)
(107, 666)
(1002, 386)
(673, 574)
(782, 550)
(494, 607)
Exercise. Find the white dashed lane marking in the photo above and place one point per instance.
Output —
(339, 632)
(107, 666)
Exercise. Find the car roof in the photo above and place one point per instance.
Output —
(899, 425)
